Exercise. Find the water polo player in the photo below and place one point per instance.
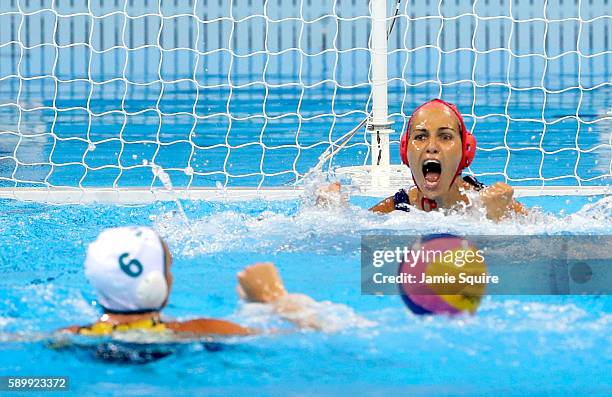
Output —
(438, 147)
(129, 268)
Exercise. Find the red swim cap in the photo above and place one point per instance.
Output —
(467, 139)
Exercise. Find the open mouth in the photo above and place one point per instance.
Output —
(431, 171)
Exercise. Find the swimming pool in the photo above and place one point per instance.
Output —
(249, 94)
(515, 345)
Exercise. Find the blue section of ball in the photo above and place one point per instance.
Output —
(430, 237)
(416, 309)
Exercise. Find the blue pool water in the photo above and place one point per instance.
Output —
(515, 345)
(198, 97)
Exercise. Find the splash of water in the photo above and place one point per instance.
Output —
(327, 316)
(167, 182)
(338, 229)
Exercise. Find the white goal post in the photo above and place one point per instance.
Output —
(248, 96)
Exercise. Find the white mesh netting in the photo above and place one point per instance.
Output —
(251, 92)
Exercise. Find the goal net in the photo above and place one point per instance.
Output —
(254, 93)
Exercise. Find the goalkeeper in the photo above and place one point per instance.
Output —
(437, 146)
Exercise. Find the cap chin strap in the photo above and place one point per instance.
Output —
(431, 203)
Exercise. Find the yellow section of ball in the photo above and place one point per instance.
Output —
(457, 276)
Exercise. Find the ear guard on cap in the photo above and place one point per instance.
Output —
(404, 146)
(469, 150)
(152, 290)
(468, 140)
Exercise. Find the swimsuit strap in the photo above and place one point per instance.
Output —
(471, 180)
(401, 200)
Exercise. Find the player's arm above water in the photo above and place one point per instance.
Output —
(384, 207)
(109, 322)
(261, 283)
(208, 326)
(330, 196)
(498, 200)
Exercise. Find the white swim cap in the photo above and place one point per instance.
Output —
(126, 266)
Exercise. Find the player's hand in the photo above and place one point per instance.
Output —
(261, 283)
(498, 200)
(329, 195)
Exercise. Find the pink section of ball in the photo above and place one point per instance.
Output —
(421, 294)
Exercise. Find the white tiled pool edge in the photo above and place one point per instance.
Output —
(147, 195)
